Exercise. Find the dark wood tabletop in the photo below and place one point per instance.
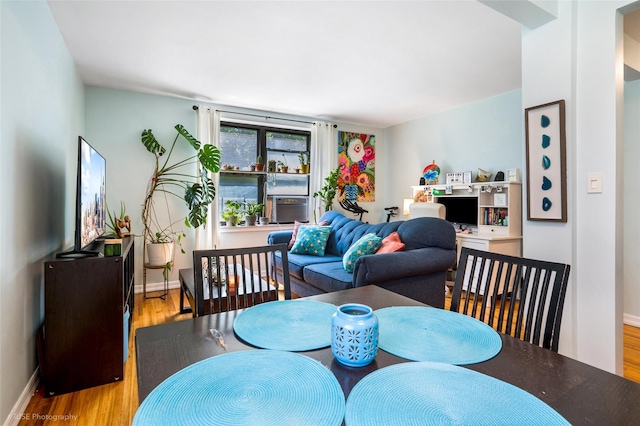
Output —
(581, 393)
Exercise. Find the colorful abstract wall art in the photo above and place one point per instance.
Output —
(546, 162)
(356, 161)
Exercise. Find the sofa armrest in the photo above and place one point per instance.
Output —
(278, 237)
(377, 268)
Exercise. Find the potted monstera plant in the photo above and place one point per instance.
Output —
(184, 178)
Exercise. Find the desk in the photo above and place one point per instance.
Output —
(581, 393)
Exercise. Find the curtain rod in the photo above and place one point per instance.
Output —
(195, 108)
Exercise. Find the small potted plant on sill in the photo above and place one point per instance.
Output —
(271, 166)
(233, 212)
(251, 212)
(304, 161)
(284, 167)
(259, 164)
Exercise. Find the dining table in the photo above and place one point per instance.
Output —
(580, 393)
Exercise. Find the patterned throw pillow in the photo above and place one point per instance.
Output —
(391, 243)
(311, 239)
(367, 244)
(296, 226)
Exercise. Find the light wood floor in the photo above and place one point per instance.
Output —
(116, 403)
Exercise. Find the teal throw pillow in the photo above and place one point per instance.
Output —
(311, 240)
(367, 244)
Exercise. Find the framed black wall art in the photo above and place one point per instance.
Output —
(546, 162)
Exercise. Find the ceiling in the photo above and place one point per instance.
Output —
(369, 63)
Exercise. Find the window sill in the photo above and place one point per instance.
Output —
(257, 228)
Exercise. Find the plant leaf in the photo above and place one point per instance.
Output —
(209, 157)
(198, 215)
(195, 143)
(150, 142)
(208, 189)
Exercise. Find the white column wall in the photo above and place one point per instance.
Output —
(573, 58)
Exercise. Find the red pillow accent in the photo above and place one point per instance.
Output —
(391, 243)
(296, 225)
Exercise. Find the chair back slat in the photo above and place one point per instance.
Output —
(242, 277)
(517, 296)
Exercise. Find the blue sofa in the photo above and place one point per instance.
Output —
(418, 272)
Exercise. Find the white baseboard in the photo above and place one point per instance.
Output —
(159, 286)
(631, 320)
(17, 412)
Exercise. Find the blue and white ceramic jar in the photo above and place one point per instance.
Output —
(354, 329)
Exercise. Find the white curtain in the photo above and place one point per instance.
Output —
(208, 235)
(324, 158)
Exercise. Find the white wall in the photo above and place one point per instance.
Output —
(547, 60)
(578, 57)
(42, 116)
(631, 202)
(114, 121)
(485, 134)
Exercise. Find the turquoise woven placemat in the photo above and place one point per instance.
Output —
(286, 325)
(429, 393)
(430, 334)
(254, 387)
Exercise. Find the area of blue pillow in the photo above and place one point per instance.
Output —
(367, 244)
(311, 240)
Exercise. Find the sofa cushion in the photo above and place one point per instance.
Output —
(297, 262)
(367, 244)
(345, 231)
(391, 244)
(424, 232)
(294, 233)
(328, 277)
(311, 240)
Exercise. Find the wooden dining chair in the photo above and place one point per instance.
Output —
(228, 279)
(517, 296)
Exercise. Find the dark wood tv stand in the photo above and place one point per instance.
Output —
(82, 340)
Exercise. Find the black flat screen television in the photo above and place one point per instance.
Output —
(460, 211)
(91, 209)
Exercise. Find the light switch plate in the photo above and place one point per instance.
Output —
(594, 183)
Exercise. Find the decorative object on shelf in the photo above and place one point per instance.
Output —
(483, 176)
(546, 162)
(190, 173)
(499, 177)
(304, 162)
(458, 178)
(264, 220)
(431, 173)
(422, 181)
(354, 331)
(513, 175)
(356, 161)
(118, 223)
(259, 166)
(233, 212)
(113, 247)
(271, 166)
(500, 199)
(251, 212)
(229, 167)
(329, 190)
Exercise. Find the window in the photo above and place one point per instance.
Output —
(241, 144)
